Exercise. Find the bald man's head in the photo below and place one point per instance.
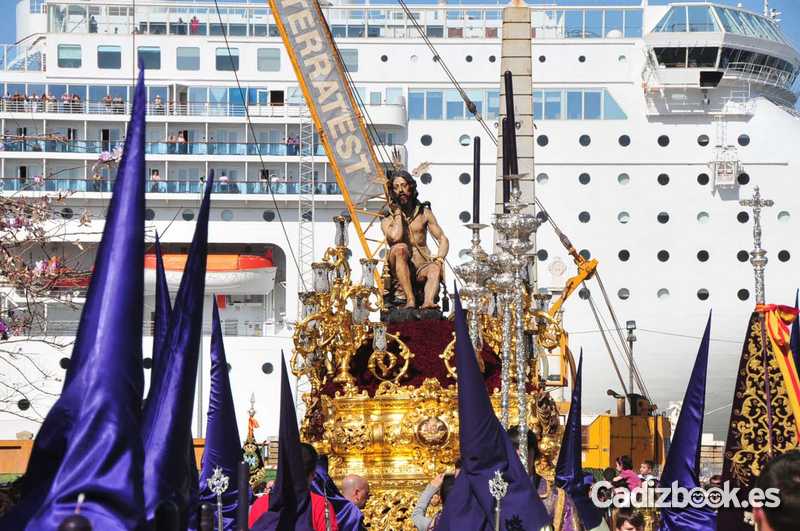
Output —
(356, 489)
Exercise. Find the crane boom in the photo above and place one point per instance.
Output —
(340, 125)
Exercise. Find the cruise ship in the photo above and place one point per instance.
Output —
(651, 124)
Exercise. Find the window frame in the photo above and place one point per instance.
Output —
(260, 59)
(63, 61)
(117, 50)
(178, 58)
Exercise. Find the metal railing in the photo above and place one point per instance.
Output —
(767, 75)
(278, 149)
(230, 327)
(21, 58)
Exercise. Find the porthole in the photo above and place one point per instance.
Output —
(703, 217)
(585, 140)
(187, 215)
(541, 254)
(743, 179)
(147, 363)
(623, 179)
(663, 141)
(464, 253)
(226, 215)
(624, 255)
(426, 140)
(24, 404)
(663, 255)
(702, 179)
(584, 217)
(384, 58)
(468, 58)
(662, 217)
(149, 214)
(622, 58)
(464, 178)
(542, 140)
(702, 294)
(624, 140)
(744, 140)
(662, 294)
(784, 216)
(624, 294)
(703, 255)
(492, 59)
(413, 59)
(585, 254)
(623, 217)
(663, 179)
(64, 363)
(464, 216)
(584, 293)
(267, 368)
(542, 58)
(742, 255)
(742, 217)
(784, 255)
(464, 140)
(426, 178)
(67, 213)
(542, 216)
(268, 215)
(584, 178)
(542, 178)
(582, 59)
(743, 294)
(703, 140)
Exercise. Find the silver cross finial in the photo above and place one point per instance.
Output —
(218, 483)
(497, 488)
(758, 256)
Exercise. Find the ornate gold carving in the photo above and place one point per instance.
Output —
(382, 362)
(390, 510)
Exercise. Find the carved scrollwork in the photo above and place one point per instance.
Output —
(382, 363)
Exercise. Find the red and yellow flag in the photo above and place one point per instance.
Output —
(778, 320)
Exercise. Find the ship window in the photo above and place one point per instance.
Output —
(674, 21)
(426, 178)
(742, 255)
(150, 57)
(69, 56)
(584, 293)
(542, 178)
(743, 294)
(464, 216)
(585, 140)
(268, 215)
(454, 105)
(149, 214)
(623, 217)
(584, 178)
(542, 140)
(67, 213)
(663, 179)
(468, 58)
(585, 254)
(187, 215)
(464, 140)
(269, 59)
(611, 109)
(492, 103)
(464, 178)
(743, 217)
(593, 28)
(591, 105)
(542, 58)
(671, 57)
(744, 140)
(416, 105)
(187, 58)
(613, 23)
(633, 23)
(574, 24)
(700, 19)
(36, 6)
(784, 216)
(624, 255)
(702, 179)
(662, 294)
(350, 59)
(492, 59)
(703, 140)
(743, 179)
(226, 215)
(624, 179)
(542, 255)
(703, 217)
(537, 105)
(702, 294)
(227, 62)
(784, 255)
(552, 105)
(384, 58)
(426, 140)
(433, 101)
(663, 140)
(703, 255)
(705, 57)
(109, 57)
(662, 217)
(624, 140)
(663, 255)
(624, 294)
(574, 105)
(582, 59)
(584, 217)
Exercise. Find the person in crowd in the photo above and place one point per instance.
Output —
(625, 472)
(92, 24)
(426, 498)
(118, 105)
(783, 474)
(159, 104)
(318, 512)
(181, 140)
(194, 25)
(448, 481)
(108, 102)
(626, 519)
(715, 481)
(646, 471)
(172, 141)
(76, 103)
(356, 489)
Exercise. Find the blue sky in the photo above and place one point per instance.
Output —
(790, 9)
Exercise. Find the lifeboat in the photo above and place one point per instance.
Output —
(225, 273)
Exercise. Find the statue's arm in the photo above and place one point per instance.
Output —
(392, 227)
(438, 234)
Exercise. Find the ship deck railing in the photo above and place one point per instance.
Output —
(230, 327)
(763, 74)
(21, 58)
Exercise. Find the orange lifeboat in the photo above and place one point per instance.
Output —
(225, 273)
(216, 263)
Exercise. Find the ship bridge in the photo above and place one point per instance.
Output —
(705, 46)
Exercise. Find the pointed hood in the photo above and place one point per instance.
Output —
(103, 454)
(223, 446)
(163, 307)
(795, 338)
(485, 448)
(569, 468)
(289, 501)
(169, 468)
(683, 461)
(348, 516)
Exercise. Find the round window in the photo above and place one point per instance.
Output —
(542, 140)
(492, 59)
(743, 179)
(582, 59)
(663, 255)
(585, 254)
(703, 140)
(662, 294)
(624, 255)
(67, 213)
(742, 255)
(147, 363)
(584, 178)
(468, 58)
(702, 255)
(541, 254)
(624, 140)
(622, 58)
(623, 217)
(384, 58)
(743, 294)
(624, 294)
(702, 179)
(187, 215)
(744, 140)
(426, 140)
(742, 217)
(268, 215)
(464, 178)
(413, 59)
(585, 140)
(703, 217)
(149, 214)
(64, 363)
(542, 216)
(464, 216)
(24, 404)
(702, 294)
(662, 217)
(426, 178)
(226, 215)
(464, 140)
(663, 179)
(784, 255)
(663, 141)
(584, 293)
(542, 58)
(267, 368)
(623, 179)
(542, 178)
(584, 217)
(784, 216)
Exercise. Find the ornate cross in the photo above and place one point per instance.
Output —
(758, 256)
(497, 488)
(218, 483)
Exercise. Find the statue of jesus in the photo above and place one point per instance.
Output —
(415, 271)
